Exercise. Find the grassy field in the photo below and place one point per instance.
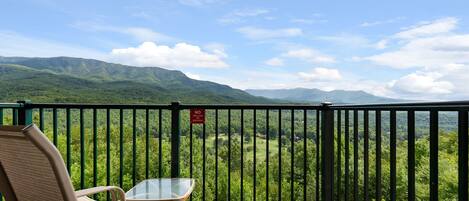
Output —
(261, 146)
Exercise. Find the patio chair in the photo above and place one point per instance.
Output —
(32, 169)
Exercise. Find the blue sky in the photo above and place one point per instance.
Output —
(402, 49)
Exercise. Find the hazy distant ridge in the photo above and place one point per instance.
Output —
(316, 95)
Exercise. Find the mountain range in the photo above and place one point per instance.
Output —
(66, 79)
(318, 96)
(77, 80)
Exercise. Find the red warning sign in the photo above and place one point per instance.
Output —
(197, 116)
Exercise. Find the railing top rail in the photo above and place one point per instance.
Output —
(98, 106)
(169, 106)
(409, 108)
(10, 105)
(444, 105)
(251, 106)
(423, 106)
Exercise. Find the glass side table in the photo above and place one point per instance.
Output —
(161, 189)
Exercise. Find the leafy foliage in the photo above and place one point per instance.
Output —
(447, 155)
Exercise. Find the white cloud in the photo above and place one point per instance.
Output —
(321, 74)
(249, 79)
(439, 26)
(382, 44)
(180, 56)
(279, 79)
(376, 23)
(237, 16)
(250, 12)
(308, 21)
(315, 18)
(198, 3)
(346, 40)
(144, 34)
(309, 55)
(255, 33)
(141, 14)
(428, 52)
(430, 45)
(193, 76)
(140, 34)
(422, 83)
(218, 49)
(274, 62)
(439, 56)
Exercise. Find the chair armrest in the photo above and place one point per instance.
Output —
(117, 193)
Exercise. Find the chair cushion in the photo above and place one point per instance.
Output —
(85, 199)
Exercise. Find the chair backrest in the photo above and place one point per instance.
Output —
(33, 167)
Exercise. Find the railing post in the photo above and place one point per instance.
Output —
(462, 155)
(327, 149)
(175, 138)
(25, 113)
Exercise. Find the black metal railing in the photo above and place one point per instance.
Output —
(299, 152)
(434, 109)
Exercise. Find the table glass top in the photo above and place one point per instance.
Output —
(161, 189)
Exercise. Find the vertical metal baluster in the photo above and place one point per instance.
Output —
(121, 147)
(191, 166)
(378, 154)
(160, 143)
(433, 155)
(204, 158)
(242, 153)
(14, 114)
(147, 142)
(318, 148)
(1, 116)
(69, 140)
(134, 147)
(1, 123)
(229, 154)
(95, 150)
(347, 154)
(267, 155)
(305, 153)
(292, 155)
(175, 139)
(216, 154)
(366, 158)
(411, 154)
(279, 154)
(54, 126)
(462, 155)
(254, 130)
(393, 154)
(355, 155)
(108, 149)
(41, 119)
(339, 146)
(82, 150)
